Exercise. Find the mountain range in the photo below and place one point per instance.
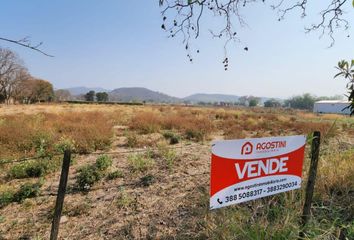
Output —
(128, 94)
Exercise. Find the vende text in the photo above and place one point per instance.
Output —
(256, 168)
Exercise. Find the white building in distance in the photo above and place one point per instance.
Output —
(331, 106)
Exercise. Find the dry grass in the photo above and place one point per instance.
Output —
(28, 135)
(163, 194)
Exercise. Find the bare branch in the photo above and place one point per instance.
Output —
(25, 42)
(331, 17)
(183, 17)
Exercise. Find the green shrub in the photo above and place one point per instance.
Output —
(18, 171)
(196, 135)
(88, 175)
(35, 168)
(65, 143)
(147, 180)
(6, 198)
(170, 158)
(168, 155)
(174, 138)
(132, 140)
(103, 162)
(124, 200)
(115, 174)
(168, 134)
(28, 190)
(42, 142)
(140, 162)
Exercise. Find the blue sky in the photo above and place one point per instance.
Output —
(115, 43)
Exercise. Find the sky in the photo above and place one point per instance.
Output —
(116, 43)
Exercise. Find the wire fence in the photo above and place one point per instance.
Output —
(24, 159)
(104, 187)
(60, 191)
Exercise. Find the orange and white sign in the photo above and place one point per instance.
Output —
(247, 169)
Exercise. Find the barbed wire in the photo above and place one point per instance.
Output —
(6, 161)
(110, 186)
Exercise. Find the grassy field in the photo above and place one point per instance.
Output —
(142, 172)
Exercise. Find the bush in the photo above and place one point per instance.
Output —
(132, 140)
(124, 200)
(146, 122)
(140, 162)
(193, 134)
(88, 175)
(35, 168)
(6, 197)
(168, 155)
(174, 139)
(65, 144)
(28, 190)
(103, 162)
(147, 180)
(115, 174)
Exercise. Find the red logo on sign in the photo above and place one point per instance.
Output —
(247, 148)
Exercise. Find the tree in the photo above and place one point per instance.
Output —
(43, 91)
(273, 103)
(250, 101)
(346, 70)
(62, 95)
(184, 17)
(253, 102)
(25, 91)
(34, 90)
(102, 97)
(90, 96)
(305, 102)
(12, 72)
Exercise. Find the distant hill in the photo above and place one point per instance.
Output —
(140, 94)
(82, 90)
(203, 97)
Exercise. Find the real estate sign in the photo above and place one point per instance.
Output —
(247, 169)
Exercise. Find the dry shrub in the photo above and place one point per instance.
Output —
(336, 172)
(146, 122)
(309, 127)
(23, 135)
(194, 124)
(90, 130)
(221, 114)
(234, 133)
(26, 135)
(174, 121)
(198, 128)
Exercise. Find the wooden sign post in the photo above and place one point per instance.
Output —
(315, 150)
(61, 194)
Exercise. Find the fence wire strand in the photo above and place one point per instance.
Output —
(6, 161)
